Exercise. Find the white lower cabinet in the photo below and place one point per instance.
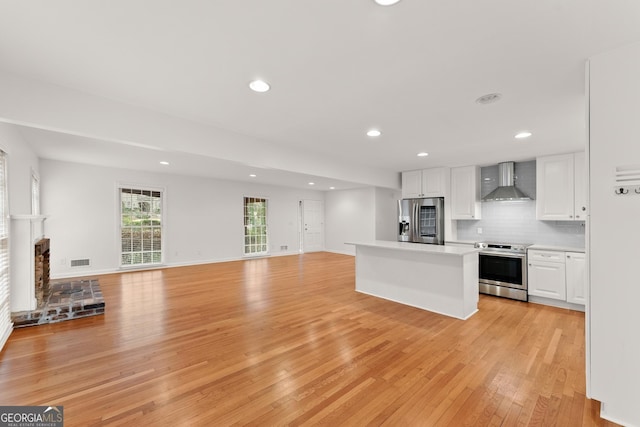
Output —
(557, 275)
(576, 280)
(547, 276)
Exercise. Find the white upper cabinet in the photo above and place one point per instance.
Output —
(424, 183)
(580, 186)
(557, 185)
(465, 193)
(433, 182)
(411, 184)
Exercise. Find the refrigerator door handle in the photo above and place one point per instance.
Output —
(416, 220)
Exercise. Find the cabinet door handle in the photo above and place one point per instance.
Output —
(577, 216)
(584, 208)
(570, 216)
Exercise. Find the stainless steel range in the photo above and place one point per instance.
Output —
(503, 270)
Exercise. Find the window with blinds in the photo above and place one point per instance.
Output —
(140, 226)
(255, 226)
(5, 310)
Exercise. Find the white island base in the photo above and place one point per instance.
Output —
(441, 279)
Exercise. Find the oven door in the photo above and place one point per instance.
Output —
(503, 270)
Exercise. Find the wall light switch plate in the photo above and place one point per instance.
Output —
(479, 230)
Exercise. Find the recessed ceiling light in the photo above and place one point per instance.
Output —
(312, 183)
(259, 86)
(386, 2)
(252, 175)
(489, 98)
(332, 188)
(374, 132)
(423, 154)
(524, 134)
(164, 163)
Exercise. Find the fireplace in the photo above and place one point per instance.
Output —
(54, 301)
(41, 270)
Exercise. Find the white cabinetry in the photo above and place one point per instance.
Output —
(561, 190)
(547, 274)
(576, 280)
(557, 275)
(465, 193)
(411, 184)
(580, 186)
(424, 183)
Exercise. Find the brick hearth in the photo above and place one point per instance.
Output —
(64, 301)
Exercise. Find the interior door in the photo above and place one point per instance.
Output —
(312, 225)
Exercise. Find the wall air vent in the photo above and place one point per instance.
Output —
(80, 262)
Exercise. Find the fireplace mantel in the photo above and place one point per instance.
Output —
(26, 230)
(29, 217)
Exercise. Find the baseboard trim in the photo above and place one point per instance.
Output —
(605, 416)
(339, 252)
(89, 273)
(556, 303)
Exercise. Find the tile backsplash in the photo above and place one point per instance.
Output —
(515, 222)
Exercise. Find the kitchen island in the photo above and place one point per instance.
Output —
(441, 279)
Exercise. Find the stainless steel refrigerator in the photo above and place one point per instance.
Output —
(421, 220)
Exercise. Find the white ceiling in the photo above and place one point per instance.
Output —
(337, 68)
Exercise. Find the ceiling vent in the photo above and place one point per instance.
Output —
(489, 98)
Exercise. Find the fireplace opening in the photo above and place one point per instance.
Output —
(58, 300)
(41, 270)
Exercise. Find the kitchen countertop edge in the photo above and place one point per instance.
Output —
(556, 248)
(417, 247)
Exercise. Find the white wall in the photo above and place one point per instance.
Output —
(614, 234)
(21, 161)
(387, 213)
(203, 217)
(349, 217)
(359, 215)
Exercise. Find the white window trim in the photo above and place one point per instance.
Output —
(36, 206)
(261, 254)
(118, 248)
(6, 325)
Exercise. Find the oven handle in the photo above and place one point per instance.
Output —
(503, 255)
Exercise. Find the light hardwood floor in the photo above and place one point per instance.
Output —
(287, 341)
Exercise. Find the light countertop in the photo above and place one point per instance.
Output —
(418, 247)
(459, 242)
(556, 248)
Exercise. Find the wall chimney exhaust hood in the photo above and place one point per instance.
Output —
(506, 189)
